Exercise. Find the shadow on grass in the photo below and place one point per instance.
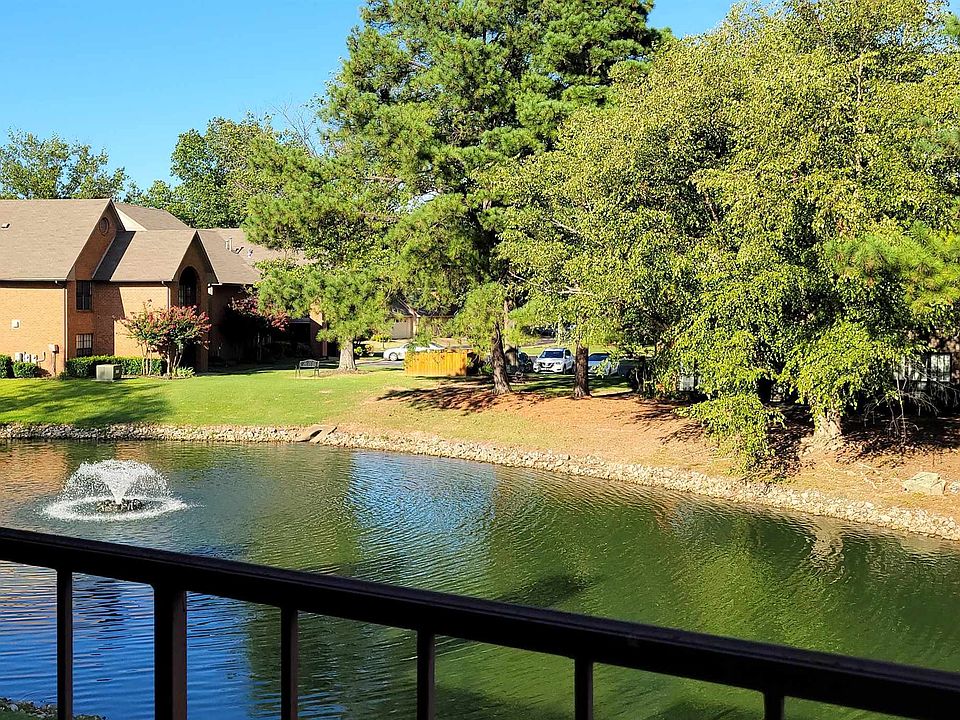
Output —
(462, 394)
(82, 402)
(473, 394)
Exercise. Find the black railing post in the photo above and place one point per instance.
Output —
(170, 653)
(426, 685)
(64, 644)
(289, 663)
(772, 706)
(583, 689)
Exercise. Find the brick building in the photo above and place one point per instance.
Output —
(234, 260)
(70, 270)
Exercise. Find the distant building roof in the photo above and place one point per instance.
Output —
(234, 258)
(135, 217)
(145, 256)
(42, 239)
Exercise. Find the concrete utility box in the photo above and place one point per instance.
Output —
(109, 373)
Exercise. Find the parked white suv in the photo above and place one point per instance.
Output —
(555, 360)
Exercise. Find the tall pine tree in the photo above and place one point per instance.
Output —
(438, 93)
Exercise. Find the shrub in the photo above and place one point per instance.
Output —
(184, 371)
(26, 370)
(83, 367)
(168, 331)
(6, 366)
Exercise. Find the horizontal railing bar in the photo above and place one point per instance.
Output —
(790, 672)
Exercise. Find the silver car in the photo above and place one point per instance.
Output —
(599, 363)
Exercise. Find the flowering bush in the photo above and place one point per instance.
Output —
(250, 308)
(168, 331)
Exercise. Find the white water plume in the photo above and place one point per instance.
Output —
(113, 490)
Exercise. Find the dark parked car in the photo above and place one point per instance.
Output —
(524, 364)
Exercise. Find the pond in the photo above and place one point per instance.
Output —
(516, 535)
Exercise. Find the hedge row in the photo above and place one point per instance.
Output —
(83, 367)
(26, 370)
(6, 366)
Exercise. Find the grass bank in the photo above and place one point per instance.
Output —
(378, 397)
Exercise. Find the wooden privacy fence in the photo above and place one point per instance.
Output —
(440, 363)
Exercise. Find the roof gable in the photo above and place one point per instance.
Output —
(136, 217)
(42, 239)
(148, 256)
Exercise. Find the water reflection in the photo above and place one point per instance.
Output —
(521, 536)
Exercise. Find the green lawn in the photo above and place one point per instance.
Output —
(254, 397)
(376, 399)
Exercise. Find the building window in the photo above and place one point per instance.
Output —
(188, 288)
(939, 364)
(85, 345)
(84, 295)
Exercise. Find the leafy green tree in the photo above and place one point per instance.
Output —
(215, 176)
(353, 302)
(52, 168)
(772, 204)
(324, 204)
(440, 93)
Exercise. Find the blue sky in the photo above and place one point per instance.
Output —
(131, 76)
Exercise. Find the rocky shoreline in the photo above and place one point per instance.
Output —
(730, 489)
(32, 710)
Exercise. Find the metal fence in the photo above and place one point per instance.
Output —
(773, 671)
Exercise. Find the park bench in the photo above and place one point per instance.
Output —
(308, 365)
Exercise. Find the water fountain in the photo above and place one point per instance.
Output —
(114, 490)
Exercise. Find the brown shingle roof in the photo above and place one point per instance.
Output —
(236, 265)
(145, 256)
(147, 218)
(43, 238)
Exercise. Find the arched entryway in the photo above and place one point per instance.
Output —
(188, 288)
(188, 293)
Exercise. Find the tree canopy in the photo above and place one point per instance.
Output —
(32, 167)
(431, 96)
(773, 203)
(214, 173)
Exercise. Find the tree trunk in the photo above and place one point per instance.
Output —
(501, 380)
(581, 373)
(826, 426)
(348, 361)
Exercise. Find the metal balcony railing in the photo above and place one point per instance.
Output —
(773, 671)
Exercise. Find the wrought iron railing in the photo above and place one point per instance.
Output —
(773, 671)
